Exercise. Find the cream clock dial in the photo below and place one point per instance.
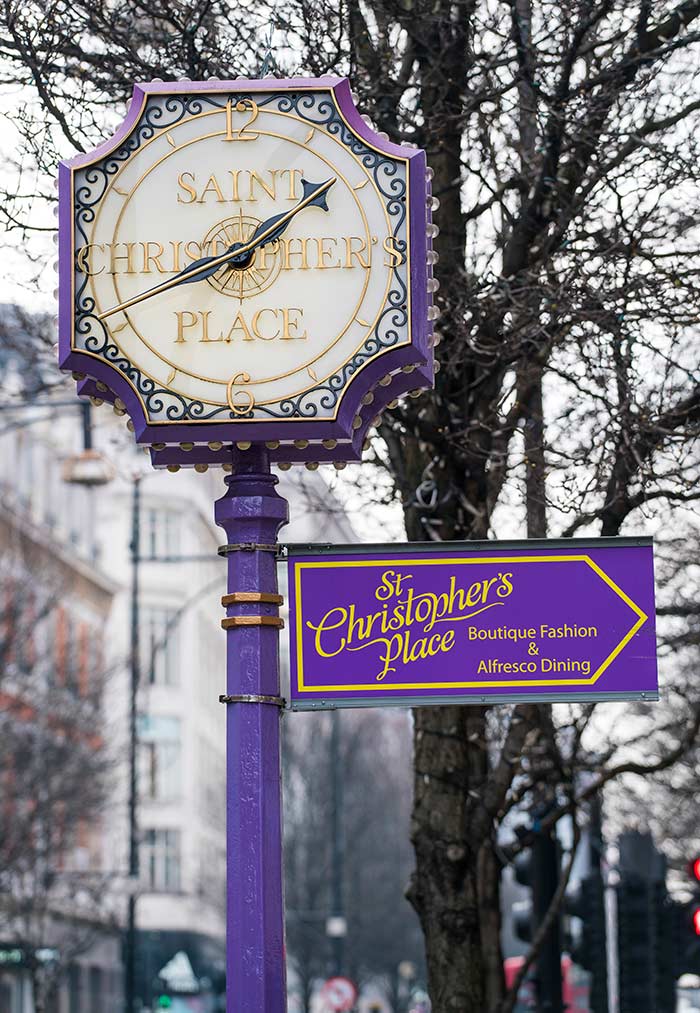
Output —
(241, 256)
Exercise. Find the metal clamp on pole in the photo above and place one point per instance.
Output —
(227, 550)
(275, 701)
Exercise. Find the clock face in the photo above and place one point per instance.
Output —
(320, 287)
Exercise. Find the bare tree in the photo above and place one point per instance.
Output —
(54, 774)
(566, 154)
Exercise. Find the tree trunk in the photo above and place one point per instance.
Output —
(456, 884)
(489, 883)
(448, 831)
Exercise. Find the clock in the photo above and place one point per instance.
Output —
(247, 262)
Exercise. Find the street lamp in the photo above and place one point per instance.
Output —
(89, 468)
(406, 974)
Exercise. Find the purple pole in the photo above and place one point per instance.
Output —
(252, 513)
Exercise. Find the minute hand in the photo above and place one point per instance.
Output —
(265, 233)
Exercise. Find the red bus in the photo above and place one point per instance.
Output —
(574, 982)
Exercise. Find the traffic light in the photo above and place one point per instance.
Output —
(164, 1002)
(522, 909)
(588, 948)
(666, 946)
(693, 908)
(635, 944)
(687, 926)
(647, 954)
(538, 868)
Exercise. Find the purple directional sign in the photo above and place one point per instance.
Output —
(472, 622)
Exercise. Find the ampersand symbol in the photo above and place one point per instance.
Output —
(533, 648)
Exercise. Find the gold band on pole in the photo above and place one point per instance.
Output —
(252, 596)
(233, 621)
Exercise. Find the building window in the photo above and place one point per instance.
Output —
(160, 777)
(75, 988)
(212, 781)
(159, 646)
(73, 513)
(26, 614)
(51, 489)
(96, 996)
(71, 654)
(160, 860)
(95, 666)
(161, 533)
(24, 471)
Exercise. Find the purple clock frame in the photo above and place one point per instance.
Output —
(390, 374)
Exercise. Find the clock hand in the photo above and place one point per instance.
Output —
(238, 255)
(272, 228)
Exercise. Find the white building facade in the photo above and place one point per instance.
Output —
(180, 905)
(180, 727)
(58, 596)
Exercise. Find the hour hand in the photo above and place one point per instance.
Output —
(205, 267)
